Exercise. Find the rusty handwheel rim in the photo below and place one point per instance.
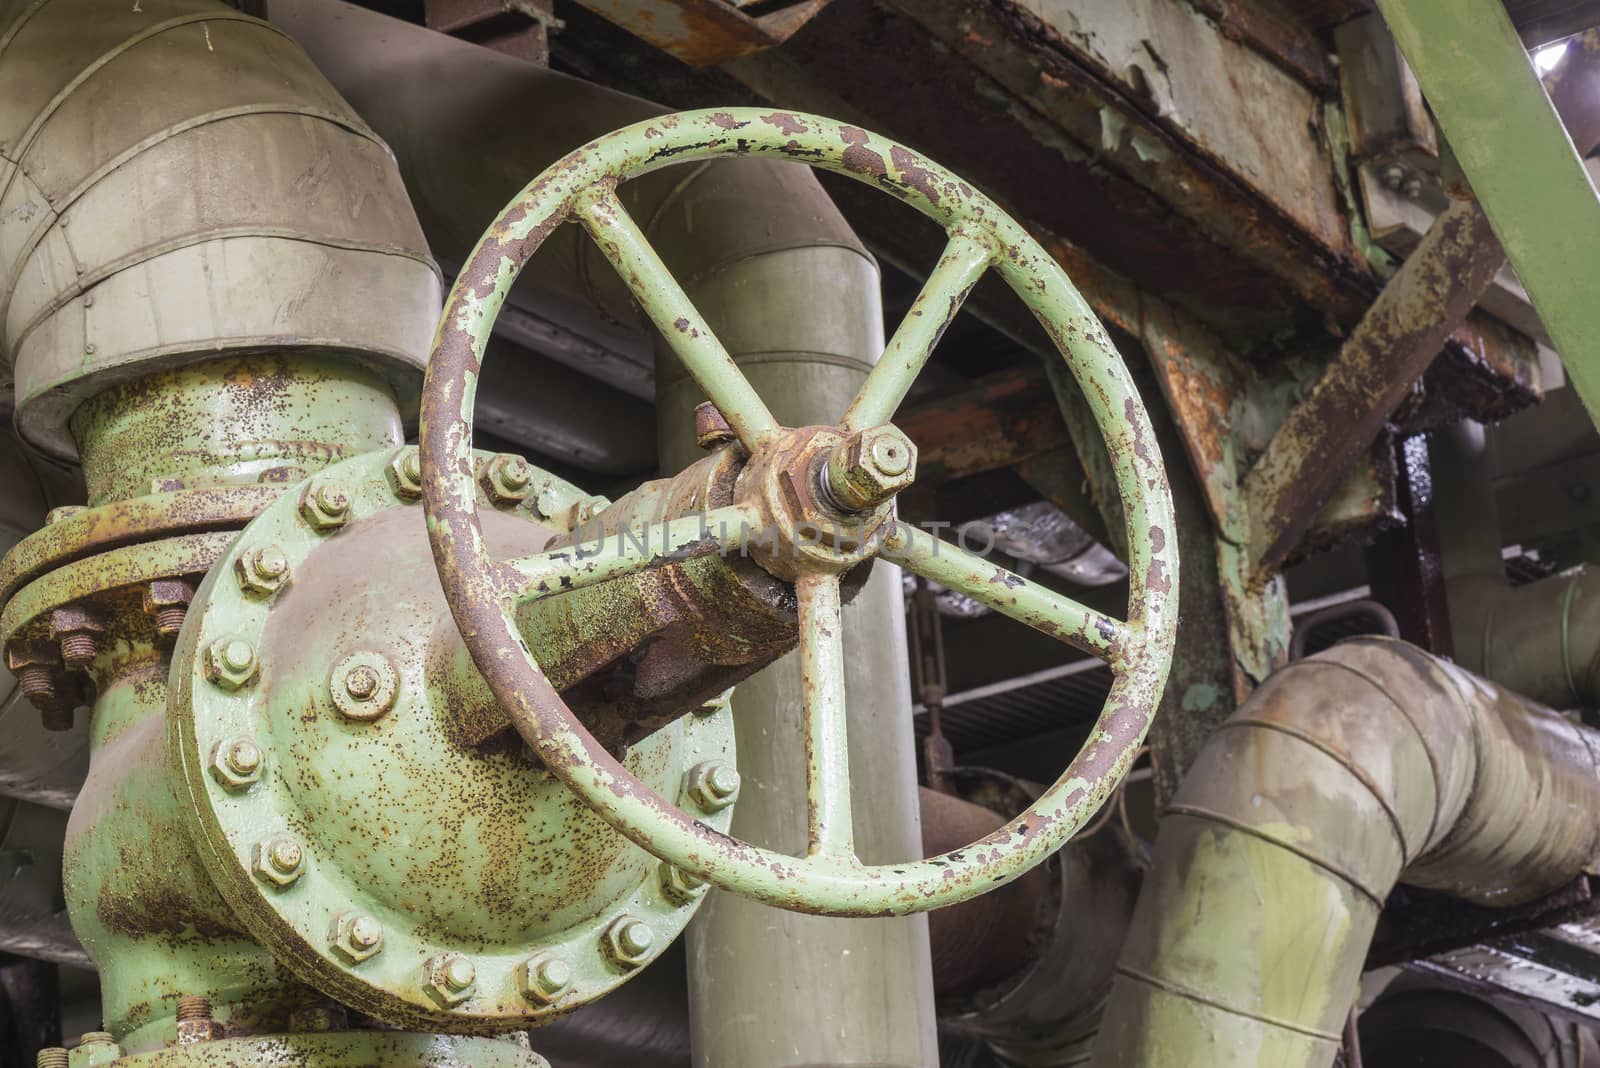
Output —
(484, 593)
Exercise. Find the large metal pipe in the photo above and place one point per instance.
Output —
(1341, 775)
(126, 246)
(1541, 640)
(775, 989)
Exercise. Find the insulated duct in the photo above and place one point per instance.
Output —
(1541, 640)
(149, 220)
(1343, 774)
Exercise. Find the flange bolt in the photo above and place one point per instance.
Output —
(262, 569)
(54, 1057)
(230, 662)
(544, 979)
(356, 936)
(450, 978)
(506, 478)
(236, 763)
(194, 1020)
(713, 785)
(325, 505)
(281, 860)
(628, 941)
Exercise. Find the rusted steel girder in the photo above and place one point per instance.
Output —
(1391, 347)
(705, 33)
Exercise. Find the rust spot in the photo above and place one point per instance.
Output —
(785, 122)
(858, 157)
(914, 174)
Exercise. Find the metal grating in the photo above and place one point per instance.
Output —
(1023, 707)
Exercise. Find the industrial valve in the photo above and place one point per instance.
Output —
(467, 799)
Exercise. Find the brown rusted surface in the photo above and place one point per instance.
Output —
(1280, 37)
(981, 942)
(1395, 342)
(995, 421)
(120, 523)
(705, 33)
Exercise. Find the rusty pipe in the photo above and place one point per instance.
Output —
(1343, 774)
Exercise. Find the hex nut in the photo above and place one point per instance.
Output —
(544, 979)
(869, 467)
(280, 860)
(681, 886)
(506, 478)
(364, 686)
(230, 662)
(262, 569)
(711, 430)
(355, 936)
(712, 785)
(628, 941)
(449, 979)
(167, 601)
(325, 506)
(405, 473)
(94, 1049)
(236, 763)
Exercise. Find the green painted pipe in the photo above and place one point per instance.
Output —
(1541, 640)
(762, 980)
(1343, 774)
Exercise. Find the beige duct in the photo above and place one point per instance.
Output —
(149, 220)
(1343, 774)
(1541, 640)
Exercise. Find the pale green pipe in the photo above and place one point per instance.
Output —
(769, 988)
(1344, 774)
(1541, 640)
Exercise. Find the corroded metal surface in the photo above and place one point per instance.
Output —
(82, 532)
(354, 1049)
(354, 798)
(705, 33)
(1394, 343)
(482, 594)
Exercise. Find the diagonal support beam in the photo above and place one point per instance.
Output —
(1512, 146)
(1396, 340)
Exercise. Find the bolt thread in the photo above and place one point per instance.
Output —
(95, 1038)
(55, 1057)
(169, 620)
(38, 683)
(78, 649)
(194, 1007)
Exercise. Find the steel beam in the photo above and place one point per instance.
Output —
(1522, 165)
(1390, 348)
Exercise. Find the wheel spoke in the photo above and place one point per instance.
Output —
(602, 555)
(963, 262)
(828, 825)
(1010, 594)
(670, 309)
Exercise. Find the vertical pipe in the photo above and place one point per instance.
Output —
(768, 988)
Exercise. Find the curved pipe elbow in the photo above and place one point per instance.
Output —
(1342, 775)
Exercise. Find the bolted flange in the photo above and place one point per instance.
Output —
(262, 569)
(628, 941)
(355, 936)
(236, 763)
(543, 979)
(325, 506)
(280, 859)
(230, 662)
(450, 978)
(364, 686)
(712, 785)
